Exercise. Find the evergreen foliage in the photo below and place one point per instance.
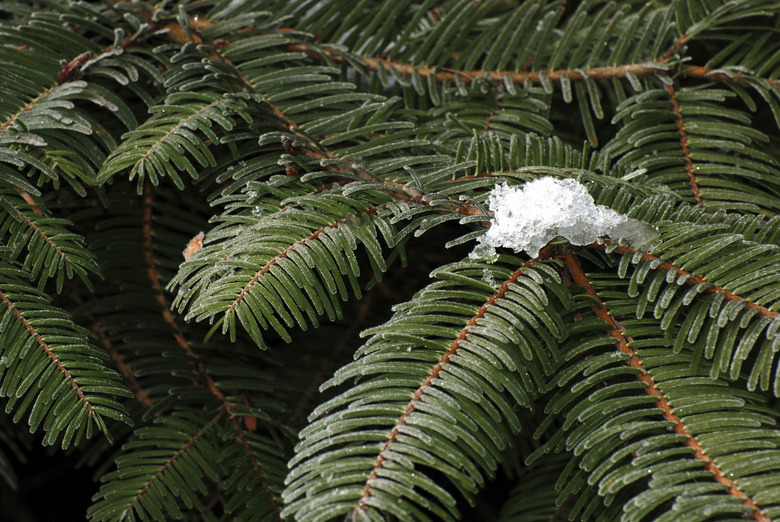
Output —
(326, 347)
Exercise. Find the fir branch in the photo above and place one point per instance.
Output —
(624, 345)
(321, 138)
(314, 235)
(174, 458)
(659, 67)
(286, 252)
(361, 506)
(196, 362)
(39, 340)
(36, 230)
(314, 148)
(690, 278)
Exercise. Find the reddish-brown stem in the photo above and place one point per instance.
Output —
(545, 253)
(599, 73)
(624, 345)
(138, 392)
(684, 142)
(674, 48)
(151, 270)
(445, 74)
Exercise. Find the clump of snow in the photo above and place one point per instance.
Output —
(489, 278)
(528, 217)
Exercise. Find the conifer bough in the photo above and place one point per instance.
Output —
(331, 345)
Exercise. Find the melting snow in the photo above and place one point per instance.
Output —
(528, 217)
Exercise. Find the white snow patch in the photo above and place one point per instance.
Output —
(487, 277)
(528, 217)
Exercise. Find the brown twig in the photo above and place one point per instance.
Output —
(684, 142)
(154, 278)
(489, 120)
(442, 74)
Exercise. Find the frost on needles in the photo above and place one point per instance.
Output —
(528, 217)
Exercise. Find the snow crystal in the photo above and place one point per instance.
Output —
(528, 217)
